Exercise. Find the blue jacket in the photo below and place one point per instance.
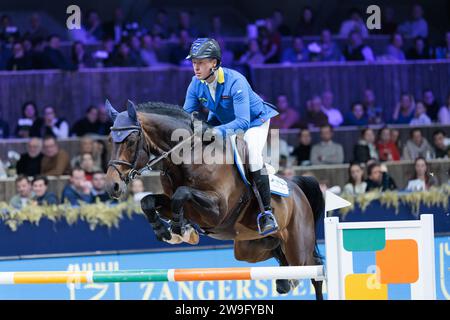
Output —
(237, 106)
(73, 196)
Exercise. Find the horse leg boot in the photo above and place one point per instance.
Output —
(148, 205)
(283, 285)
(266, 220)
(181, 195)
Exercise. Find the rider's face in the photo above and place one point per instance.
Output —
(202, 67)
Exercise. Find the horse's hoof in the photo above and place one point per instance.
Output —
(283, 286)
(164, 236)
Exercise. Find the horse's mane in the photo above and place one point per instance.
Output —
(163, 108)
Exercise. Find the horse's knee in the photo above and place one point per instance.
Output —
(182, 193)
(148, 203)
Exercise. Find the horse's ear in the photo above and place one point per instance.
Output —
(131, 108)
(111, 111)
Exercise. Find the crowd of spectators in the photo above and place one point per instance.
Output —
(122, 43)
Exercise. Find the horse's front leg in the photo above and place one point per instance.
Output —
(149, 204)
(202, 201)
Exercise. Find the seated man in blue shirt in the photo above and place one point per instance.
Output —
(78, 189)
(41, 194)
(232, 105)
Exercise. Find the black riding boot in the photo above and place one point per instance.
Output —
(266, 220)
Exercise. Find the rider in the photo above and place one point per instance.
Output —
(232, 104)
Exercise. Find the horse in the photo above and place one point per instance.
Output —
(211, 196)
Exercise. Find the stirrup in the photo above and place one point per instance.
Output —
(267, 213)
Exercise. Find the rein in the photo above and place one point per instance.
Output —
(132, 165)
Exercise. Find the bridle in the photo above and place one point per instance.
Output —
(132, 165)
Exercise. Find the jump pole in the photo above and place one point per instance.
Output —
(164, 275)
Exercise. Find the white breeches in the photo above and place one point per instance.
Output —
(256, 139)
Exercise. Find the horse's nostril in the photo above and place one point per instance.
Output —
(116, 187)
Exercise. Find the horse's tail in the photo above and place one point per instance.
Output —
(311, 189)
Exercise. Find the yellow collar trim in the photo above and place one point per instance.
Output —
(220, 76)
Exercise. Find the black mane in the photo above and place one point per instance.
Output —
(164, 109)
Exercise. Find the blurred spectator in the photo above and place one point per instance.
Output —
(443, 52)
(57, 127)
(288, 116)
(389, 25)
(387, 149)
(124, 57)
(114, 28)
(269, 42)
(94, 26)
(23, 195)
(279, 24)
(28, 124)
(417, 146)
(38, 57)
(395, 138)
(87, 164)
(253, 55)
(9, 32)
(394, 50)
(42, 196)
(420, 51)
(104, 121)
(354, 23)
(19, 60)
(307, 24)
(135, 50)
(288, 173)
(148, 54)
(161, 26)
(30, 162)
(88, 124)
(404, 110)
(356, 184)
(441, 144)
(98, 187)
(444, 113)
(36, 31)
(334, 115)
(5, 55)
(422, 179)
(329, 49)
(54, 57)
(4, 129)
(215, 30)
(327, 151)
(161, 49)
(100, 155)
(365, 149)
(55, 161)
(302, 152)
(78, 189)
(315, 117)
(373, 111)
(420, 115)
(431, 104)
(227, 55)
(80, 59)
(87, 145)
(137, 190)
(417, 26)
(379, 179)
(356, 50)
(179, 52)
(357, 116)
(104, 56)
(184, 23)
(296, 53)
